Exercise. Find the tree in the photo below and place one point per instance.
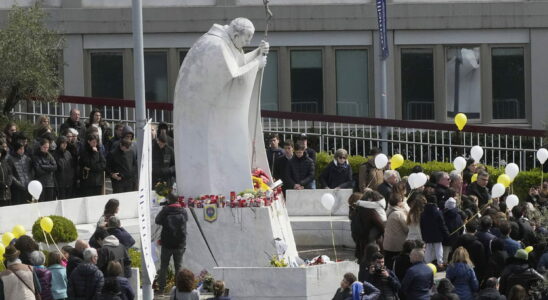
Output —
(29, 59)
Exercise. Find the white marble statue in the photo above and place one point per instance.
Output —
(216, 112)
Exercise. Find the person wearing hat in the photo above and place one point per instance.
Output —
(111, 250)
(115, 228)
(18, 281)
(519, 272)
(453, 221)
(303, 140)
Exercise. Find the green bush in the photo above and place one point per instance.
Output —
(135, 256)
(63, 230)
(520, 186)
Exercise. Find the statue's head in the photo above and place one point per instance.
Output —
(241, 31)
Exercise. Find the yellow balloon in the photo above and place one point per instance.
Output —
(504, 179)
(433, 267)
(396, 161)
(474, 177)
(460, 120)
(46, 224)
(7, 238)
(2, 251)
(18, 231)
(529, 249)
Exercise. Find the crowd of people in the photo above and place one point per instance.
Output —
(77, 161)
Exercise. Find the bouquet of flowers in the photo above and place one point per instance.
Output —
(162, 189)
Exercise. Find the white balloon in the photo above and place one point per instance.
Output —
(412, 180)
(511, 170)
(459, 163)
(35, 189)
(476, 153)
(511, 201)
(380, 161)
(327, 201)
(542, 155)
(497, 190)
(421, 179)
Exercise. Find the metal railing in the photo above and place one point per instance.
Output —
(416, 141)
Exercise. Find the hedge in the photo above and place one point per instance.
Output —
(521, 184)
(63, 230)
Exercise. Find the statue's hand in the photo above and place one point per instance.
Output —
(262, 61)
(264, 47)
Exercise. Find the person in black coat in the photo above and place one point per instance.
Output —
(454, 223)
(114, 273)
(122, 168)
(115, 228)
(45, 167)
(490, 290)
(65, 173)
(163, 161)
(273, 152)
(5, 175)
(433, 231)
(86, 281)
(484, 234)
(442, 182)
(300, 171)
(92, 166)
(74, 122)
(391, 178)
(338, 173)
(22, 173)
(474, 248)
(280, 168)
(480, 189)
(382, 278)
(445, 291)
(111, 250)
(172, 218)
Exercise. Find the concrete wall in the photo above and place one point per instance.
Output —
(539, 80)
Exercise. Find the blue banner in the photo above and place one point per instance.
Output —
(381, 18)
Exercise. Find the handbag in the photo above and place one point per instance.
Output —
(36, 295)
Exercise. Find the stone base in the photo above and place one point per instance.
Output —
(306, 283)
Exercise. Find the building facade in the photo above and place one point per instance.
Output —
(487, 59)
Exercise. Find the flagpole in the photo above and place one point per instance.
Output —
(383, 47)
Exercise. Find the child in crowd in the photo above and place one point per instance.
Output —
(38, 259)
(219, 291)
(58, 275)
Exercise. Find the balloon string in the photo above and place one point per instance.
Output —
(54, 243)
(472, 217)
(45, 237)
(333, 235)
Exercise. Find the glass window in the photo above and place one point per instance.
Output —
(306, 81)
(463, 82)
(417, 84)
(269, 91)
(182, 55)
(156, 76)
(107, 74)
(352, 88)
(508, 83)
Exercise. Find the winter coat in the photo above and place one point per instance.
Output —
(453, 221)
(519, 273)
(389, 286)
(96, 164)
(337, 175)
(511, 246)
(496, 263)
(402, 263)
(366, 226)
(12, 288)
(21, 170)
(176, 295)
(65, 173)
(395, 230)
(123, 236)
(433, 229)
(163, 164)
(78, 125)
(385, 189)
(475, 250)
(44, 276)
(490, 294)
(542, 265)
(85, 282)
(280, 171)
(300, 171)
(44, 167)
(485, 237)
(5, 180)
(59, 281)
(526, 232)
(464, 279)
(441, 195)
(474, 189)
(272, 155)
(126, 291)
(124, 163)
(74, 260)
(369, 176)
(173, 219)
(112, 250)
(418, 282)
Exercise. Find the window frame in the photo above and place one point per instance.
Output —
(325, 109)
(168, 73)
(127, 70)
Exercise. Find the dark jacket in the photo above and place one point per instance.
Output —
(173, 219)
(481, 192)
(44, 276)
(453, 221)
(445, 296)
(490, 294)
(163, 164)
(74, 260)
(441, 195)
(526, 232)
(79, 126)
(85, 282)
(366, 226)
(44, 167)
(476, 251)
(95, 163)
(5, 180)
(385, 189)
(337, 175)
(123, 236)
(21, 170)
(300, 171)
(389, 286)
(126, 291)
(417, 282)
(124, 163)
(65, 173)
(112, 250)
(272, 155)
(485, 237)
(464, 279)
(496, 263)
(519, 273)
(402, 263)
(433, 229)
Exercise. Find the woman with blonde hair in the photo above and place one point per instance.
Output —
(461, 273)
